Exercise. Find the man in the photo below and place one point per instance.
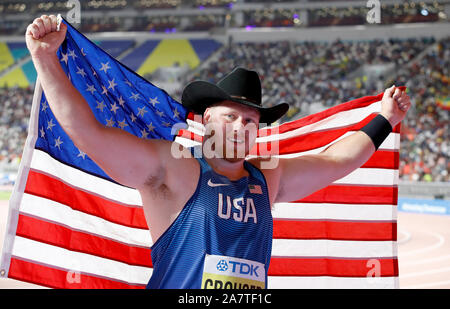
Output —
(210, 214)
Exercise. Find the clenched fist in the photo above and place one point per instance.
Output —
(42, 37)
(394, 105)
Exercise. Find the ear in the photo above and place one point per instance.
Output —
(207, 115)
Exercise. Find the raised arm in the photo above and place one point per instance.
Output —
(302, 176)
(109, 147)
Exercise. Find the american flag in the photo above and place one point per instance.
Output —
(71, 226)
(255, 189)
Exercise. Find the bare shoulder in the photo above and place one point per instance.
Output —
(180, 166)
(166, 192)
(163, 161)
(270, 167)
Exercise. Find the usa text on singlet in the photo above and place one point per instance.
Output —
(222, 238)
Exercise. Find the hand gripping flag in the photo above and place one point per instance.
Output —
(71, 226)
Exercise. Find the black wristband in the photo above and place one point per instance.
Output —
(377, 129)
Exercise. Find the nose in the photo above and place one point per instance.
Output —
(238, 125)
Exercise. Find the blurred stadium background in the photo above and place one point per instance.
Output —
(312, 54)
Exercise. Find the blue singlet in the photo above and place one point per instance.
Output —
(222, 238)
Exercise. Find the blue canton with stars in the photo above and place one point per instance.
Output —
(117, 96)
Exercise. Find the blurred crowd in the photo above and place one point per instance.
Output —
(307, 74)
(14, 117)
(208, 15)
(310, 73)
(303, 73)
(425, 145)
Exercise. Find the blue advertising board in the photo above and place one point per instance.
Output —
(425, 206)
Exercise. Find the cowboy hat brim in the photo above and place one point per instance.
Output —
(198, 95)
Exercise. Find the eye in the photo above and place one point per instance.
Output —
(229, 116)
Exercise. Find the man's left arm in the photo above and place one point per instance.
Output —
(302, 176)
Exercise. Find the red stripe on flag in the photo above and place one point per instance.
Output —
(383, 159)
(64, 237)
(352, 194)
(59, 278)
(191, 116)
(295, 144)
(307, 141)
(335, 267)
(48, 187)
(313, 118)
(332, 111)
(190, 135)
(335, 230)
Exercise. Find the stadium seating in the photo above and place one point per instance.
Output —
(308, 75)
(144, 59)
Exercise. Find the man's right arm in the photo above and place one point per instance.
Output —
(124, 157)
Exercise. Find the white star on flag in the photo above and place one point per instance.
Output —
(141, 111)
(110, 122)
(122, 124)
(105, 67)
(81, 154)
(144, 133)
(151, 127)
(134, 96)
(114, 107)
(112, 84)
(91, 88)
(105, 91)
(153, 101)
(65, 58)
(50, 124)
(58, 142)
(176, 113)
(121, 101)
(100, 105)
(72, 54)
(81, 71)
(44, 106)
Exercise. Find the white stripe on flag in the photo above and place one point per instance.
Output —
(42, 253)
(45, 163)
(327, 282)
(334, 211)
(371, 177)
(186, 142)
(109, 190)
(338, 120)
(390, 143)
(333, 248)
(64, 215)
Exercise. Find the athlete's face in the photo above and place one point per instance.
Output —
(231, 129)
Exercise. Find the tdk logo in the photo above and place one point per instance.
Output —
(222, 265)
(238, 267)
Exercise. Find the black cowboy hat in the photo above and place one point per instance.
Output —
(241, 86)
